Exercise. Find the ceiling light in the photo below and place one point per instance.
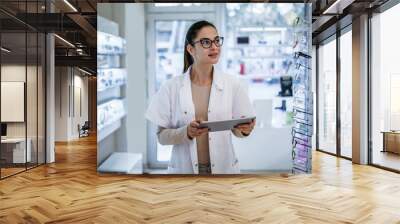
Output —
(70, 5)
(5, 49)
(86, 72)
(65, 41)
(251, 29)
(338, 6)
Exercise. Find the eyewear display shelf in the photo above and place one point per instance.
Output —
(302, 130)
(111, 79)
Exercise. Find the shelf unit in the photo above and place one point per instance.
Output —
(110, 83)
(302, 130)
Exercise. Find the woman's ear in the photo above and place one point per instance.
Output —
(190, 49)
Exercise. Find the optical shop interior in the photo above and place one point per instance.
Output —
(264, 47)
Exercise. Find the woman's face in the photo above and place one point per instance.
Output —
(205, 55)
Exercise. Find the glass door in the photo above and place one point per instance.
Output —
(346, 94)
(385, 90)
(327, 97)
(166, 36)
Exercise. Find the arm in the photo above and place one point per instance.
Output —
(182, 135)
(242, 107)
(171, 136)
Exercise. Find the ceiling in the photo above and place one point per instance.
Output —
(331, 15)
(74, 21)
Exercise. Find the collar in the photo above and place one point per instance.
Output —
(217, 78)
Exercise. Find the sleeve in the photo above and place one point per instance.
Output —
(159, 109)
(170, 136)
(242, 106)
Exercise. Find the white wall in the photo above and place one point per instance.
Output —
(17, 73)
(33, 127)
(66, 119)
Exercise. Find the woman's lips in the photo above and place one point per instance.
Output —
(213, 55)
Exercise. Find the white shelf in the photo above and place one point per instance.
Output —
(110, 78)
(110, 44)
(123, 162)
(109, 117)
(108, 130)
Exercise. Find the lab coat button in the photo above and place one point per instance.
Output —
(195, 164)
(185, 112)
(213, 165)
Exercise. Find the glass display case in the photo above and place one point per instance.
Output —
(110, 80)
(109, 112)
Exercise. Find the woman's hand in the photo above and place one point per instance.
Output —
(247, 128)
(194, 131)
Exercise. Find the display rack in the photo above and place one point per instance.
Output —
(302, 130)
(111, 78)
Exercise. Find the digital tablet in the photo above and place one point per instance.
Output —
(224, 124)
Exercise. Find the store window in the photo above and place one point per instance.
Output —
(385, 85)
(346, 94)
(327, 96)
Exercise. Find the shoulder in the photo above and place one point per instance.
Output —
(230, 80)
(172, 83)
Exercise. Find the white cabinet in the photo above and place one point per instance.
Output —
(17, 146)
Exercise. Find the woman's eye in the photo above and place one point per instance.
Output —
(206, 41)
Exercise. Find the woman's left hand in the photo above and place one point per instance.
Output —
(246, 128)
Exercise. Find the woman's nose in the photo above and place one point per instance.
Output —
(214, 45)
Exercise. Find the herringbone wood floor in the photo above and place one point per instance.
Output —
(71, 191)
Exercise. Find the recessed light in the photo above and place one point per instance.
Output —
(86, 72)
(64, 40)
(70, 5)
(5, 50)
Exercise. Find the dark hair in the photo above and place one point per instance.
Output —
(190, 36)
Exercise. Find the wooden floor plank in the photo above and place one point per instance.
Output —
(71, 191)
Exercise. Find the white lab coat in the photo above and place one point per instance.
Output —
(172, 107)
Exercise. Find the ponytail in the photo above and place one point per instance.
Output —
(187, 58)
(190, 36)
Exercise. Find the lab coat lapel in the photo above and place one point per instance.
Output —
(187, 107)
(185, 95)
(215, 94)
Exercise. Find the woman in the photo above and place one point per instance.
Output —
(202, 93)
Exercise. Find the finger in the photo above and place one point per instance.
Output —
(244, 126)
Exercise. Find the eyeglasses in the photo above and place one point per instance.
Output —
(207, 43)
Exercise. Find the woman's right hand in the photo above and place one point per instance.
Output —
(194, 131)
